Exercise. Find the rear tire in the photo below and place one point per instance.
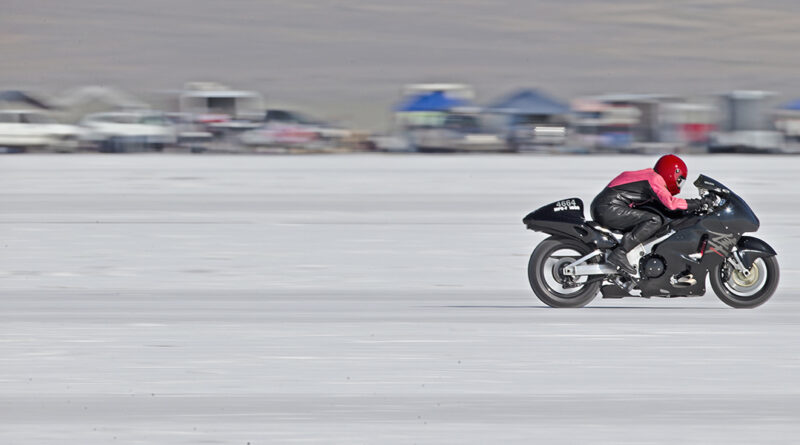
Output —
(548, 283)
(741, 292)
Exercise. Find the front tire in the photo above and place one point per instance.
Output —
(549, 284)
(736, 290)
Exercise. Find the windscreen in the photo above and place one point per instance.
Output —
(704, 182)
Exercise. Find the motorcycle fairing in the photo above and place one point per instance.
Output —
(565, 218)
(676, 251)
(702, 243)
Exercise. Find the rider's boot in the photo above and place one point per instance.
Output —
(618, 257)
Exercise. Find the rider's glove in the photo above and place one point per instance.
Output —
(707, 202)
(700, 204)
(693, 205)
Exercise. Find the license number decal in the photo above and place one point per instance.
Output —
(567, 204)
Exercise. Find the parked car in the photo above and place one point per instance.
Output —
(282, 127)
(122, 131)
(458, 132)
(280, 134)
(602, 126)
(323, 129)
(21, 130)
(528, 131)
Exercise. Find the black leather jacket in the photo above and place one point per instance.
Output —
(636, 188)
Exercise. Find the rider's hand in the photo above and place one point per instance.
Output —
(699, 205)
(693, 205)
(707, 202)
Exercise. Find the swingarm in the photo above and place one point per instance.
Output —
(580, 268)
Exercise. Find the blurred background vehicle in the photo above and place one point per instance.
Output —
(687, 124)
(787, 121)
(220, 111)
(643, 123)
(28, 122)
(529, 118)
(280, 134)
(128, 131)
(427, 104)
(601, 126)
(746, 124)
(211, 102)
(324, 129)
(190, 134)
(460, 131)
(292, 128)
(24, 130)
(438, 117)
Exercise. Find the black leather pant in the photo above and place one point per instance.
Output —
(640, 225)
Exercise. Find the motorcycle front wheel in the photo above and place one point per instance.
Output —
(743, 292)
(545, 274)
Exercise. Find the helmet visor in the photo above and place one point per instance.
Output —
(680, 180)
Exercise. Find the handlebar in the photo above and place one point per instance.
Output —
(718, 199)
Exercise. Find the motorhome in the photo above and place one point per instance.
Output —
(212, 102)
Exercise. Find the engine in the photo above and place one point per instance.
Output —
(653, 267)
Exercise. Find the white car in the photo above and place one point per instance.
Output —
(129, 130)
(458, 132)
(21, 130)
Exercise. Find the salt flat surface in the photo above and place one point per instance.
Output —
(362, 299)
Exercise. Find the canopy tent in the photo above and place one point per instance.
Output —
(20, 97)
(111, 98)
(529, 101)
(435, 101)
(79, 102)
(793, 105)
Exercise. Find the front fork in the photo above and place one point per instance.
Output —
(736, 261)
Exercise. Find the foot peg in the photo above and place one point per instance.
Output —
(683, 280)
(626, 285)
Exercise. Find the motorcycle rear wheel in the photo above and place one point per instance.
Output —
(736, 290)
(547, 280)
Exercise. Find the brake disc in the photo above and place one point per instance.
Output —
(739, 279)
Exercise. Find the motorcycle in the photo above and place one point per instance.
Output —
(569, 268)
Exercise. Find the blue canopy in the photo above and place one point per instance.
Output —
(435, 101)
(793, 105)
(527, 102)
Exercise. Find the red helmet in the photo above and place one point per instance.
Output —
(674, 172)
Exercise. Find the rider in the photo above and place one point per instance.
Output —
(616, 206)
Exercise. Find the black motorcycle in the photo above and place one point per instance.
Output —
(569, 268)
